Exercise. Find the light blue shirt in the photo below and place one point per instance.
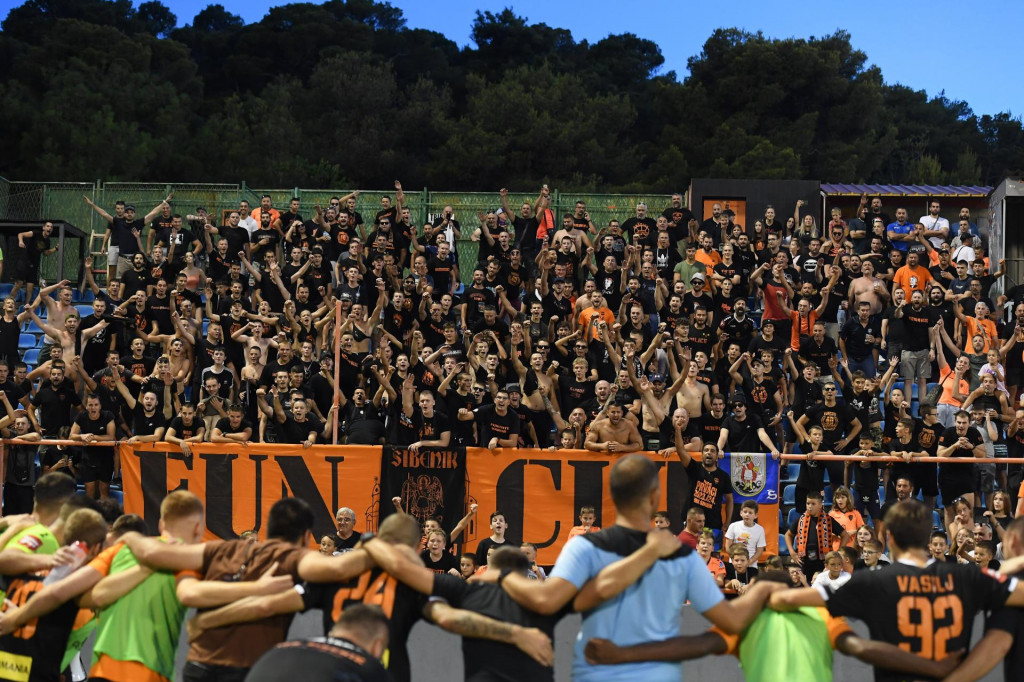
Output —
(648, 610)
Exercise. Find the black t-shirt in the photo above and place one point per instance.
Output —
(96, 427)
(442, 565)
(297, 432)
(928, 611)
(143, 425)
(320, 659)
(743, 434)
(400, 604)
(916, 324)
(430, 428)
(224, 424)
(834, 422)
(956, 472)
(55, 405)
(707, 490)
(183, 431)
(484, 659)
(490, 424)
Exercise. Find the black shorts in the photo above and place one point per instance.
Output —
(96, 468)
(27, 272)
(953, 489)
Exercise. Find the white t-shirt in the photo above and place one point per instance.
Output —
(964, 253)
(939, 223)
(823, 580)
(751, 536)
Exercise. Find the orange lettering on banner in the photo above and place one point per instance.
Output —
(539, 491)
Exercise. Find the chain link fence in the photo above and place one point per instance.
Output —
(65, 201)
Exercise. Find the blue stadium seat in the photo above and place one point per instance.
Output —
(84, 310)
(881, 494)
(789, 495)
(87, 296)
(792, 472)
(76, 296)
(31, 356)
(33, 328)
(206, 324)
(783, 551)
(791, 517)
(828, 496)
(5, 289)
(937, 520)
(26, 341)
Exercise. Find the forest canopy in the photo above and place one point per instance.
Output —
(346, 94)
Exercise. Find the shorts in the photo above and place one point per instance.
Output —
(925, 480)
(95, 468)
(952, 489)
(27, 272)
(112, 252)
(914, 364)
(651, 440)
(985, 478)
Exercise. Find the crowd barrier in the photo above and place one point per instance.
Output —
(538, 491)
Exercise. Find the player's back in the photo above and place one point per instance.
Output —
(927, 610)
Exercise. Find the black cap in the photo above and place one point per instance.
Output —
(129, 207)
(513, 388)
(737, 397)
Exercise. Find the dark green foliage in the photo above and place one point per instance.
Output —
(344, 92)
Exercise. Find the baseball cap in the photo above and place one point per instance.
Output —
(657, 378)
(129, 207)
(697, 276)
(345, 297)
(200, 208)
(513, 388)
(737, 397)
(559, 279)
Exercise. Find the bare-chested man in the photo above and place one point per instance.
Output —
(536, 386)
(613, 434)
(869, 288)
(656, 405)
(693, 396)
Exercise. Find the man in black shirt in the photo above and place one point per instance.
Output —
(484, 659)
(497, 426)
(432, 427)
(742, 432)
(709, 486)
(957, 480)
(346, 537)
(55, 401)
(350, 652)
(97, 465)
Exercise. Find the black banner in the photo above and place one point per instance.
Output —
(431, 483)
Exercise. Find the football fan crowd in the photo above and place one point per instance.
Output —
(867, 336)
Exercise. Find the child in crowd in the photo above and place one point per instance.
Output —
(938, 547)
(871, 557)
(587, 517)
(705, 548)
(739, 572)
(467, 565)
(747, 532)
(530, 550)
(328, 545)
(833, 576)
(985, 555)
(497, 539)
(963, 544)
(845, 514)
(865, 479)
(660, 520)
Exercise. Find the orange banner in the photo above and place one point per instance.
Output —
(539, 492)
(238, 484)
